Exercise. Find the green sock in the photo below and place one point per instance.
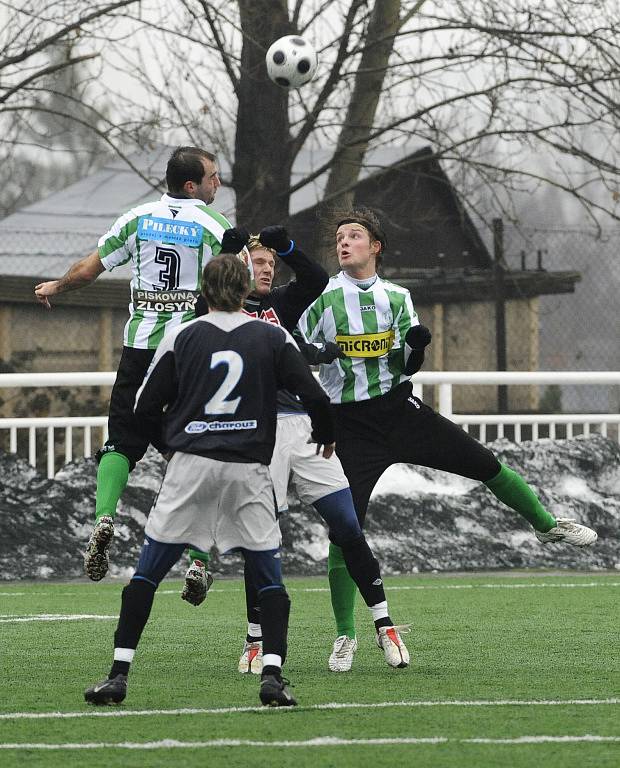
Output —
(196, 554)
(512, 489)
(343, 591)
(112, 477)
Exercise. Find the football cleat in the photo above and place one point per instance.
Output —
(96, 555)
(252, 658)
(341, 657)
(568, 531)
(274, 692)
(197, 583)
(396, 653)
(110, 691)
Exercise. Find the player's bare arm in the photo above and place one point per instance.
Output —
(78, 275)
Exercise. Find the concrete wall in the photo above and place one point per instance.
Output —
(464, 340)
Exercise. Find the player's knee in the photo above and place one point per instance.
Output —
(265, 569)
(156, 560)
(353, 545)
(338, 511)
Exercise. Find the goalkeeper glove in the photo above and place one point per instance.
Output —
(277, 239)
(234, 240)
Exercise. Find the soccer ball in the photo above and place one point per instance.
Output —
(291, 61)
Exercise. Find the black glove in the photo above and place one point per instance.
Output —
(314, 355)
(276, 238)
(235, 239)
(329, 352)
(418, 337)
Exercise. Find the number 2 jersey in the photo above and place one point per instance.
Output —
(218, 377)
(167, 242)
(369, 325)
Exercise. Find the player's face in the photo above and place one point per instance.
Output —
(264, 266)
(357, 252)
(210, 183)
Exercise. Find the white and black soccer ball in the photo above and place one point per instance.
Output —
(291, 61)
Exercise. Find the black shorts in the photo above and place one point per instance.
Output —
(374, 434)
(123, 434)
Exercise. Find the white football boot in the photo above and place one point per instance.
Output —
(341, 657)
(389, 640)
(570, 532)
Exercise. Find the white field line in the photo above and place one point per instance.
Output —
(320, 741)
(215, 589)
(544, 585)
(329, 705)
(10, 619)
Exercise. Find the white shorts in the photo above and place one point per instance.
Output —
(313, 476)
(203, 502)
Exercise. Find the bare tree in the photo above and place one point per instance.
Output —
(52, 127)
(507, 96)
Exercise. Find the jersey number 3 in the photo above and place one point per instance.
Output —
(169, 275)
(218, 404)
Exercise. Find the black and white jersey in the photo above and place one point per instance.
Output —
(217, 379)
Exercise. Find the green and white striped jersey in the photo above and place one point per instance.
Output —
(370, 326)
(168, 242)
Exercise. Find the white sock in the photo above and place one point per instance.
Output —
(272, 660)
(379, 611)
(254, 630)
(124, 654)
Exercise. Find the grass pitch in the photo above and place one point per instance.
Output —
(517, 669)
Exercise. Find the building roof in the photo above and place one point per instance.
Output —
(45, 238)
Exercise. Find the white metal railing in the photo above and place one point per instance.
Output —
(443, 380)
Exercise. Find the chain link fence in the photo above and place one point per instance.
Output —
(578, 331)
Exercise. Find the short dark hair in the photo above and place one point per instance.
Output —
(225, 283)
(368, 219)
(185, 164)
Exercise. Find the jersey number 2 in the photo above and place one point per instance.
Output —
(218, 404)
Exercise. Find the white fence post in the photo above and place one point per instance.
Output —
(445, 400)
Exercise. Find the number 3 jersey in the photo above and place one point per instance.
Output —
(217, 378)
(167, 242)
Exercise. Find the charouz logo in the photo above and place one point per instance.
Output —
(170, 231)
(196, 427)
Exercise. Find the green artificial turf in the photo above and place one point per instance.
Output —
(474, 638)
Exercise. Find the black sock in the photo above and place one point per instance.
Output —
(275, 607)
(364, 569)
(252, 639)
(384, 622)
(136, 604)
(271, 670)
(251, 598)
(119, 668)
